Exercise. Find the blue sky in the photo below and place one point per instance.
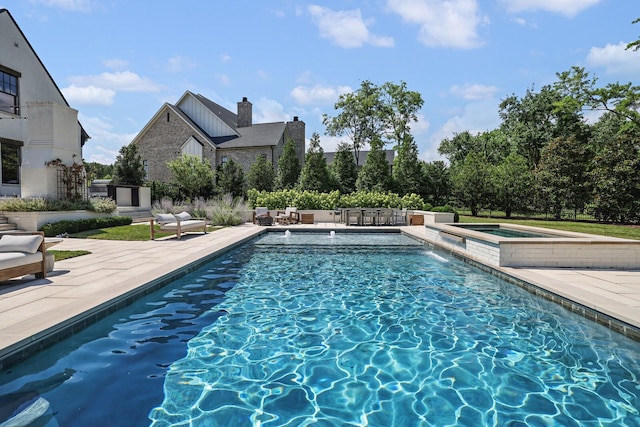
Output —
(118, 61)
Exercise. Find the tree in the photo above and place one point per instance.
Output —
(513, 184)
(98, 170)
(457, 148)
(634, 45)
(128, 168)
(562, 176)
(471, 182)
(344, 169)
(616, 180)
(437, 182)
(230, 179)
(374, 175)
(261, 175)
(315, 174)
(407, 172)
(288, 167)
(360, 117)
(579, 91)
(530, 121)
(400, 107)
(192, 175)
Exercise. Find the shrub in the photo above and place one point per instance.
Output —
(447, 208)
(226, 210)
(40, 204)
(77, 225)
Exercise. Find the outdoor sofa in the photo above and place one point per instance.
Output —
(22, 254)
(178, 223)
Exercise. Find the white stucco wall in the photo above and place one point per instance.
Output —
(46, 125)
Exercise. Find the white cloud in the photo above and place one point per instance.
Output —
(473, 92)
(615, 59)
(125, 81)
(476, 117)
(224, 58)
(330, 143)
(346, 28)
(268, 111)
(178, 64)
(562, 7)
(450, 23)
(105, 144)
(74, 5)
(308, 95)
(88, 95)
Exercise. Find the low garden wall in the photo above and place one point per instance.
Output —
(32, 221)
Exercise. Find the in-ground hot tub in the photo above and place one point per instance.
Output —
(511, 245)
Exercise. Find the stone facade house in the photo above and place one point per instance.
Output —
(37, 125)
(197, 126)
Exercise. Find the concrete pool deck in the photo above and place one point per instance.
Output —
(78, 290)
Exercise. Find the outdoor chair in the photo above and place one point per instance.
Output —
(289, 216)
(261, 216)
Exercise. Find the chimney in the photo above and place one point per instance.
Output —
(244, 113)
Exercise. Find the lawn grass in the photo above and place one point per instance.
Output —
(134, 232)
(60, 255)
(611, 230)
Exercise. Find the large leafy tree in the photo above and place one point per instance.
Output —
(128, 168)
(344, 170)
(530, 121)
(315, 175)
(437, 182)
(513, 184)
(261, 175)
(562, 176)
(230, 179)
(471, 182)
(360, 117)
(617, 180)
(288, 167)
(579, 91)
(400, 109)
(192, 175)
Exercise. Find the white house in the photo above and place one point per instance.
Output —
(37, 124)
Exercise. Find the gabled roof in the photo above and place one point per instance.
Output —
(225, 115)
(85, 135)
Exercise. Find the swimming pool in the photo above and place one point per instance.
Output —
(280, 333)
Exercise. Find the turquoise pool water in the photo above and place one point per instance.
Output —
(364, 332)
(502, 231)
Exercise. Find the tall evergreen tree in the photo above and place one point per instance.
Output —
(261, 175)
(128, 168)
(471, 182)
(315, 174)
(344, 170)
(375, 175)
(288, 167)
(437, 182)
(407, 172)
(230, 179)
(513, 184)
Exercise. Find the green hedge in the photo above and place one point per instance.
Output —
(447, 208)
(53, 229)
(312, 200)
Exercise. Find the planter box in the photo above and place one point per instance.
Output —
(32, 221)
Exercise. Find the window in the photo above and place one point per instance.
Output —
(9, 93)
(224, 160)
(145, 165)
(10, 164)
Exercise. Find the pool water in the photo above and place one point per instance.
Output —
(336, 335)
(498, 230)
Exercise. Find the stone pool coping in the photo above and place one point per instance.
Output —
(37, 313)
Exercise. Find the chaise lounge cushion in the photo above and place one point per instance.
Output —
(27, 244)
(17, 259)
(183, 216)
(165, 218)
